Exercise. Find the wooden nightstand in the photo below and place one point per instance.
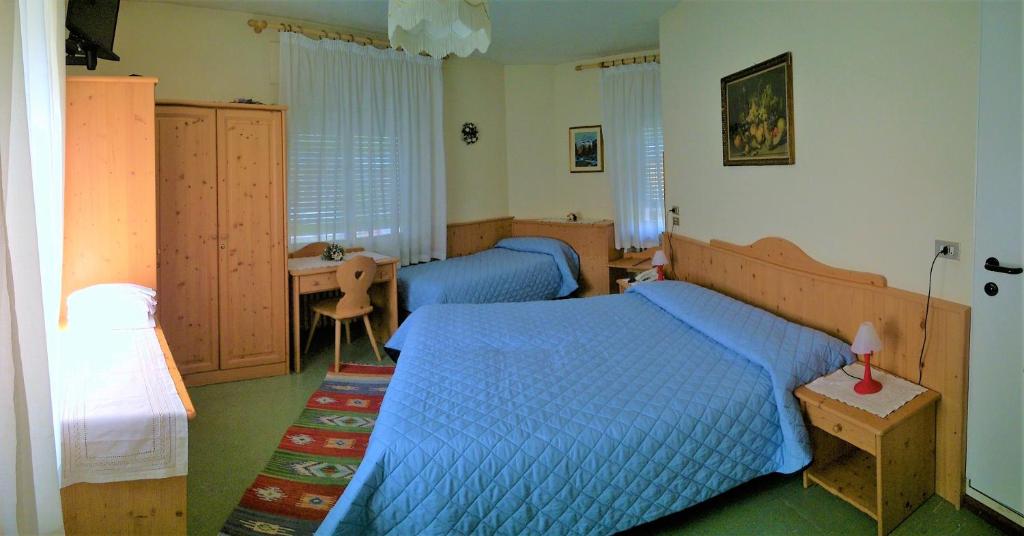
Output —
(884, 467)
(623, 284)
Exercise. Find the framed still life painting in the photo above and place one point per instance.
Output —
(586, 149)
(757, 114)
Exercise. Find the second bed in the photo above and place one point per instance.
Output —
(514, 270)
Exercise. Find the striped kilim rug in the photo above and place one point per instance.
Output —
(316, 457)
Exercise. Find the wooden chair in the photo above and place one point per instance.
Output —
(354, 279)
(316, 249)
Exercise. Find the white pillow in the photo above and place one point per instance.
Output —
(112, 306)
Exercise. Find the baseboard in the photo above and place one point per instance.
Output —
(992, 516)
(234, 375)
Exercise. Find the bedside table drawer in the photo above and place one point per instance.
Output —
(842, 428)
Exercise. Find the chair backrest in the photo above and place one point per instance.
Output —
(355, 276)
(315, 249)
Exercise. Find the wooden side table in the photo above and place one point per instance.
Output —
(883, 467)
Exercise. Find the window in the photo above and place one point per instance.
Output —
(359, 202)
(653, 174)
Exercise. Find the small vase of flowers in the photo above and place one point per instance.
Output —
(333, 252)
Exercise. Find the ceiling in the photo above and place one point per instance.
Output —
(523, 31)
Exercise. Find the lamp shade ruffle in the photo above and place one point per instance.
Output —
(439, 27)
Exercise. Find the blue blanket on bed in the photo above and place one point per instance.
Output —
(584, 416)
(515, 270)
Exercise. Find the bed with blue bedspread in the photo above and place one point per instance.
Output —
(583, 416)
(515, 270)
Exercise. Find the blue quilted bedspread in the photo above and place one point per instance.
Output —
(515, 270)
(584, 416)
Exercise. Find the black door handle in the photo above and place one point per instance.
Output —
(992, 265)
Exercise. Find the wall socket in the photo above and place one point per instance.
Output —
(954, 249)
(675, 214)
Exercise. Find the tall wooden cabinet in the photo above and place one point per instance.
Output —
(110, 236)
(222, 252)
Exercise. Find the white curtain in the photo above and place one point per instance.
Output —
(631, 100)
(31, 209)
(365, 147)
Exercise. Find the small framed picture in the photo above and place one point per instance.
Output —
(757, 114)
(586, 149)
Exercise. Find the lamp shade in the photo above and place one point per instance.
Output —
(866, 341)
(659, 258)
(439, 27)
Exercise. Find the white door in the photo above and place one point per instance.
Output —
(995, 436)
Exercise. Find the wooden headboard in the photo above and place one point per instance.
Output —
(776, 275)
(469, 237)
(594, 242)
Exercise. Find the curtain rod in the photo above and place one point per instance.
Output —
(258, 25)
(649, 58)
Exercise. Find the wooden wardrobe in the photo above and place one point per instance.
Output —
(221, 237)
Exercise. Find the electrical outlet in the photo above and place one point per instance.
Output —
(954, 249)
(675, 220)
(674, 210)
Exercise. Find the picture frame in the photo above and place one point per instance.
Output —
(758, 127)
(586, 149)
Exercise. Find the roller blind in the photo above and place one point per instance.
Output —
(362, 194)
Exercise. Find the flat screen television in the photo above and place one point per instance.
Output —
(91, 25)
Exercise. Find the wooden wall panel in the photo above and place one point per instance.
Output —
(109, 183)
(252, 283)
(187, 234)
(594, 242)
(470, 237)
(776, 275)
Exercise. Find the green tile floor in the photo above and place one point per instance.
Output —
(238, 425)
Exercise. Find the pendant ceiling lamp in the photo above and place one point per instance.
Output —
(439, 27)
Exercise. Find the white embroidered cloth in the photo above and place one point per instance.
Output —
(894, 394)
(122, 418)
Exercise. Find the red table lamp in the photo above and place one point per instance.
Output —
(865, 344)
(659, 260)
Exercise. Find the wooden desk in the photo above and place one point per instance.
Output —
(310, 275)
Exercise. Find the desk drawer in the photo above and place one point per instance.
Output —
(329, 281)
(318, 282)
(842, 428)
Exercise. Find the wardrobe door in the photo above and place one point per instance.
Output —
(253, 295)
(187, 234)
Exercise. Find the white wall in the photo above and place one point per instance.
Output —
(885, 119)
(197, 53)
(474, 92)
(541, 103)
(212, 54)
(531, 142)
